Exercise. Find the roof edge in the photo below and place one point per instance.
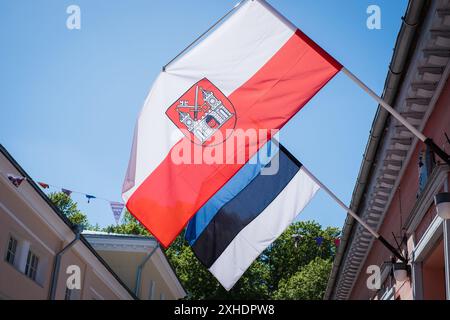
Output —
(63, 217)
(400, 60)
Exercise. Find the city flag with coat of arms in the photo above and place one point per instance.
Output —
(253, 72)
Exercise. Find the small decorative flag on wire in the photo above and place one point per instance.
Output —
(319, 240)
(16, 180)
(337, 242)
(117, 208)
(66, 191)
(43, 185)
(89, 197)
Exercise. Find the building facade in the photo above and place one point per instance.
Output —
(41, 251)
(140, 262)
(400, 176)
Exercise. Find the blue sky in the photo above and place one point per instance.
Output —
(69, 98)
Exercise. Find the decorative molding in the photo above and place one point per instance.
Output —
(118, 243)
(45, 214)
(28, 230)
(394, 152)
(428, 240)
(111, 242)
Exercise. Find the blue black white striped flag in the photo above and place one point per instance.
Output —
(250, 212)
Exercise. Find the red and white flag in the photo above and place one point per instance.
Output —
(254, 72)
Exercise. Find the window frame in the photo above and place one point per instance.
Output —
(11, 250)
(32, 265)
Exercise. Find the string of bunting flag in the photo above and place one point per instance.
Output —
(319, 240)
(116, 207)
(336, 241)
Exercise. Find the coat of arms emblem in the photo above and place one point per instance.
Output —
(202, 112)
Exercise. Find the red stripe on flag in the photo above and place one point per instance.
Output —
(172, 194)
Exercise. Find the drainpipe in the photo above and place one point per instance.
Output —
(77, 229)
(139, 270)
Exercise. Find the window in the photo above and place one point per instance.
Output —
(11, 252)
(32, 265)
(426, 166)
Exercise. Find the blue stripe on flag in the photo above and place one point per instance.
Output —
(242, 210)
(235, 185)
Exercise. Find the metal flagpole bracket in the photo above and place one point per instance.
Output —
(203, 34)
(428, 141)
(391, 248)
(441, 153)
(377, 236)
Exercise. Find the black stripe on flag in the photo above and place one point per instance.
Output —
(241, 210)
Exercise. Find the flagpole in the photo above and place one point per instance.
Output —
(203, 34)
(428, 141)
(356, 217)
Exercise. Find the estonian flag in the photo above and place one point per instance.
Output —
(252, 210)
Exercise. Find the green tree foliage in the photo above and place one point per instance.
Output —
(129, 225)
(297, 247)
(307, 284)
(293, 259)
(201, 284)
(69, 208)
